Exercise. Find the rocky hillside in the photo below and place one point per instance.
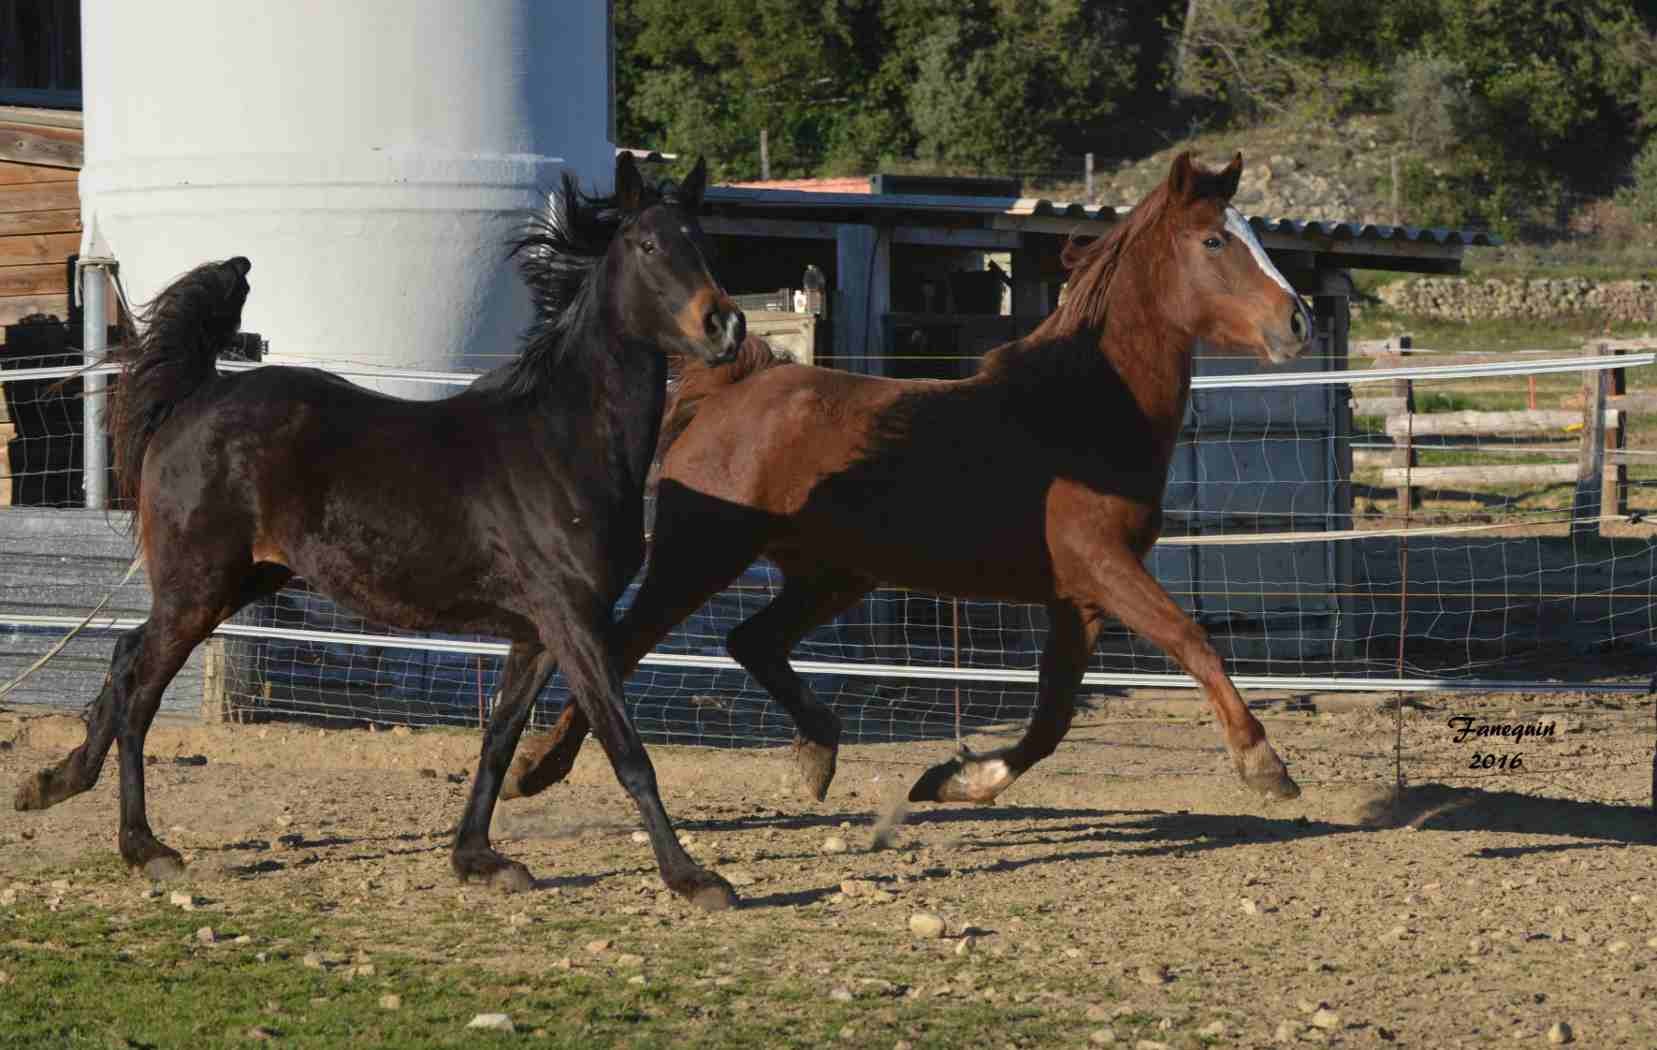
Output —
(1289, 172)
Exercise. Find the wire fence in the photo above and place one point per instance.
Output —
(1307, 571)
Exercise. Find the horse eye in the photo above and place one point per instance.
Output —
(1213, 244)
(648, 247)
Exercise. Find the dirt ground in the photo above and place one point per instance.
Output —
(1125, 890)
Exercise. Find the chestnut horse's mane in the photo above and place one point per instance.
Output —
(1093, 265)
(693, 381)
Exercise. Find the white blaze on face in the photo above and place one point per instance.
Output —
(1239, 228)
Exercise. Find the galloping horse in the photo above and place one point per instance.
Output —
(1040, 479)
(514, 508)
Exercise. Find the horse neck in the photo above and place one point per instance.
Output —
(1152, 358)
(628, 381)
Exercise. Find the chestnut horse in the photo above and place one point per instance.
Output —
(514, 508)
(1040, 479)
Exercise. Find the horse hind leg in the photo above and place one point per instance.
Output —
(78, 771)
(761, 644)
(981, 778)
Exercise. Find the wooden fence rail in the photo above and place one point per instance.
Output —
(1597, 435)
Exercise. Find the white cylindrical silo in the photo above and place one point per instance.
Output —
(371, 157)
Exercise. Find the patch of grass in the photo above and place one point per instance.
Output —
(1444, 401)
(84, 978)
(1373, 321)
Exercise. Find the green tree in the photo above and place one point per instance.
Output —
(1641, 197)
(994, 85)
(1005, 86)
(704, 76)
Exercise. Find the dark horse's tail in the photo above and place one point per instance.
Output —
(181, 333)
(696, 381)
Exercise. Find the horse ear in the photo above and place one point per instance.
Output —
(1232, 174)
(1182, 177)
(695, 184)
(629, 184)
(240, 264)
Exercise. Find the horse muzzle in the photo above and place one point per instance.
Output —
(1300, 333)
(727, 329)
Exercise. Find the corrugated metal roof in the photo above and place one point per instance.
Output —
(750, 198)
(848, 184)
(1319, 228)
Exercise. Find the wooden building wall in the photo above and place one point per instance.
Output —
(40, 214)
(40, 227)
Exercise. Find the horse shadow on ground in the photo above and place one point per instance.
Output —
(1442, 807)
(1121, 834)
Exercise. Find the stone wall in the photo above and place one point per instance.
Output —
(1473, 299)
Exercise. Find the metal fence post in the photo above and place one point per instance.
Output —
(94, 280)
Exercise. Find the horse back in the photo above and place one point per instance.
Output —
(379, 501)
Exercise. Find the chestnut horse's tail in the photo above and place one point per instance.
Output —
(697, 380)
(182, 332)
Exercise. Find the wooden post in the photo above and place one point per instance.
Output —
(1614, 500)
(863, 263)
(1403, 454)
(1089, 177)
(6, 434)
(1029, 297)
(1590, 462)
(765, 154)
(215, 705)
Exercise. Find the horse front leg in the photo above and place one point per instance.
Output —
(761, 644)
(595, 682)
(528, 666)
(684, 572)
(970, 777)
(1126, 590)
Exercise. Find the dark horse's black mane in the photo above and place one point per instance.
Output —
(558, 257)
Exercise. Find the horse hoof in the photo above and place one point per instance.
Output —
(164, 868)
(931, 785)
(486, 867)
(1281, 789)
(713, 895)
(816, 765)
(1264, 772)
(31, 794)
(512, 784)
(513, 878)
(978, 780)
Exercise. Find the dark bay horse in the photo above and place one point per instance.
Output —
(514, 508)
(1038, 480)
